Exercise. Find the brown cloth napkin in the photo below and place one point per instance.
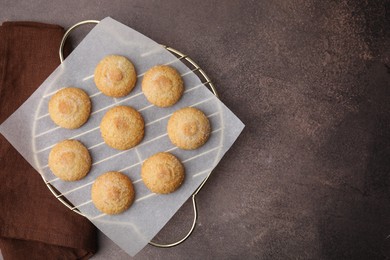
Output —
(33, 224)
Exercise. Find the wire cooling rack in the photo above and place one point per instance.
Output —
(61, 196)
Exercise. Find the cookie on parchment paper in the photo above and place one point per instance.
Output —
(122, 127)
(70, 107)
(162, 173)
(115, 76)
(188, 128)
(70, 160)
(112, 193)
(162, 86)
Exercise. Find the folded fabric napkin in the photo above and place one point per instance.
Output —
(33, 223)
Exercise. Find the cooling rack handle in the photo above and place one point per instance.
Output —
(61, 51)
(207, 83)
(178, 242)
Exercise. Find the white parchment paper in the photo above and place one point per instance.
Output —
(31, 131)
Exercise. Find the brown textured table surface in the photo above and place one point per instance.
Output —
(309, 176)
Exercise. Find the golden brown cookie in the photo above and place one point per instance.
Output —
(162, 86)
(188, 128)
(115, 76)
(70, 107)
(112, 193)
(162, 173)
(122, 127)
(69, 160)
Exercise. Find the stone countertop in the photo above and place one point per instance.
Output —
(309, 175)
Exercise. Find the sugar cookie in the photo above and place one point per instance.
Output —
(162, 173)
(162, 86)
(69, 160)
(115, 76)
(188, 128)
(112, 193)
(122, 127)
(70, 107)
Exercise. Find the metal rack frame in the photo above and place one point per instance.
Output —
(207, 82)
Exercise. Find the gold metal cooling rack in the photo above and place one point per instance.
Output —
(194, 67)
